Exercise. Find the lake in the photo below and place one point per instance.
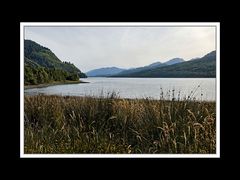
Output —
(156, 88)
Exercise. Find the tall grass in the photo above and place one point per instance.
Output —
(56, 124)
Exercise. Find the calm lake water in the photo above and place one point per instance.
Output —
(156, 88)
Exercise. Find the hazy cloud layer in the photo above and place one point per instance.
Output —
(94, 47)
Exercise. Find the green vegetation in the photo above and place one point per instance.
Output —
(56, 124)
(42, 66)
(41, 75)
(204, 67)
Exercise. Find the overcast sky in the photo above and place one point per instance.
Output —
(125, 47)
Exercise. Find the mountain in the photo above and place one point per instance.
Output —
(174, 61)
(210, 55)
(148, 67)
(200, 67)
(41, 65)
(104, 72)
(139, 69)
(155, 64)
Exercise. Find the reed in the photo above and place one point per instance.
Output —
(64, 124)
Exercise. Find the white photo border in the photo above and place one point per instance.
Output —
(120, 24)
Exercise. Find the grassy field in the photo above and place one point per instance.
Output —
(55, 124)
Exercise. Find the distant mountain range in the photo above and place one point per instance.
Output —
(199, 67)
(148, 67)
(103, 72)
(177, 67)
(112, 71)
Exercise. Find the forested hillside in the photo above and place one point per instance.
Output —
(41, 65)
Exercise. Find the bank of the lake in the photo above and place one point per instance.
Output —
(68, 124)
(54, 83)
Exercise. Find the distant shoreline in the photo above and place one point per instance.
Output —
(53, 84)
(146, 77)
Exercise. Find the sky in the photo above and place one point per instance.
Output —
(124, 47)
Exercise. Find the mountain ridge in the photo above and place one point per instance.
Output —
(105, 71)
(200, 67)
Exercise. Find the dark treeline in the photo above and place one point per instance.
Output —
(40, 75)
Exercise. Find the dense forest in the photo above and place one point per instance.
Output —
(41, 65)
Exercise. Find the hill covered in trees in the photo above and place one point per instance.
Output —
(200, 67)
(41, 65)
